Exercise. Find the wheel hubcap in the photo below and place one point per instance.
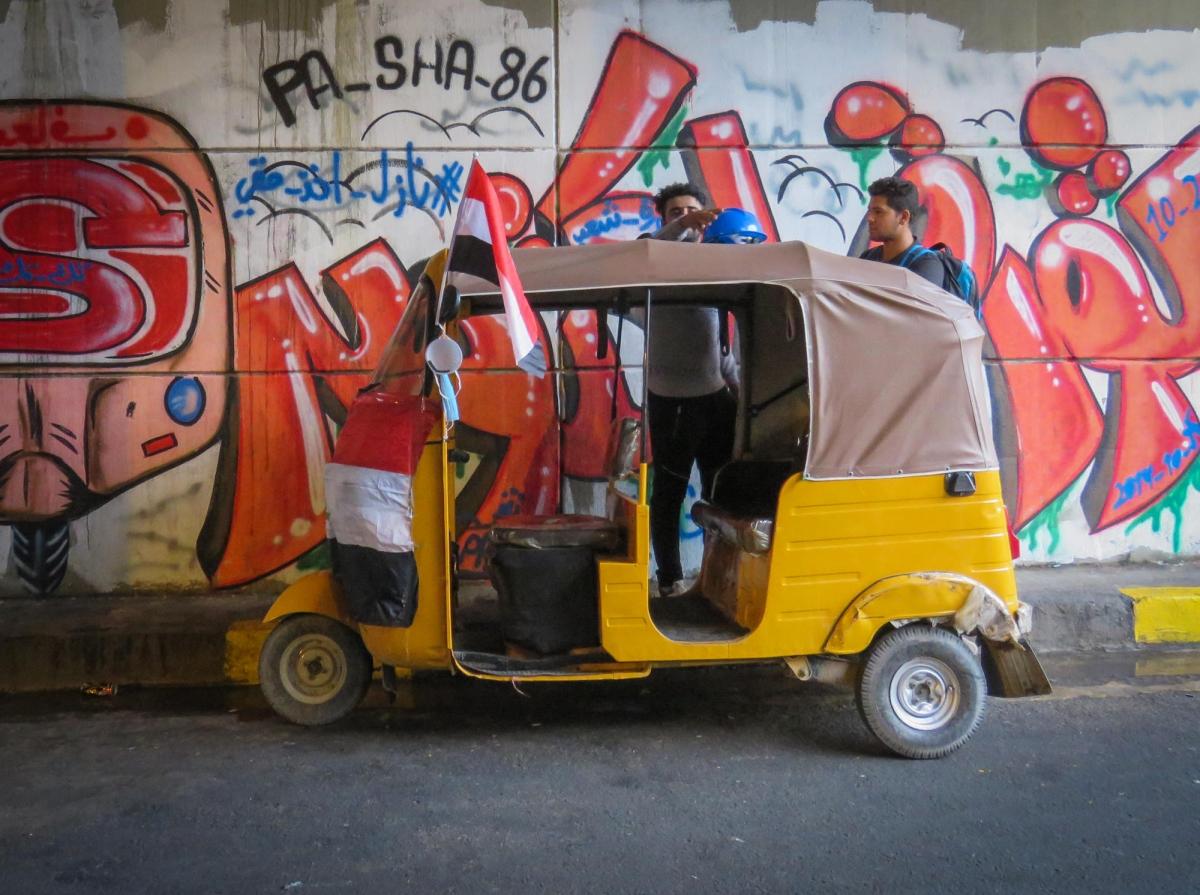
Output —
(312, 669)
(925, 693)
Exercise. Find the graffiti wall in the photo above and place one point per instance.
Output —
(212, 215)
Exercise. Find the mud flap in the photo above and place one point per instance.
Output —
(1013, 670)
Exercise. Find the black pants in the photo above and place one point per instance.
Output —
(684, 431)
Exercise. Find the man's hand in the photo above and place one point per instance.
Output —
(698, 220)
(689, 226)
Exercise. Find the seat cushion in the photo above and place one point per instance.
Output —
(751, 487)
(556, 531)
(749, 533)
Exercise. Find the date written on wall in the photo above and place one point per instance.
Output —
(449, 66)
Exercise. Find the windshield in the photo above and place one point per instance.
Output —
(402, 365)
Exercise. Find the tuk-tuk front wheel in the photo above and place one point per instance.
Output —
(313, 670)
(922, 691)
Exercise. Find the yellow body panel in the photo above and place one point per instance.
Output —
(847, 557)
(315, 593)
(424, 643)
(833, 541)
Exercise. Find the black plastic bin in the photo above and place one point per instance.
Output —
(544, 570)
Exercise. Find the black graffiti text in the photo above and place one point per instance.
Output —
(448, 64)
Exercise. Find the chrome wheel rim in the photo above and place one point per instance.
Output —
(925, 693)
(312, 669)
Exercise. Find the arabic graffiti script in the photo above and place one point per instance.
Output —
(646, 221)
(30, 273)
(395, 184)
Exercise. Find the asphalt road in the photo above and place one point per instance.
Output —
(734, 780)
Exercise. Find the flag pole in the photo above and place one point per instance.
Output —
(646, 376)
(453, 236)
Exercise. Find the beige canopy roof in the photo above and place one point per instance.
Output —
(895, 364)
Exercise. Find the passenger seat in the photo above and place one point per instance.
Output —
(744, 498)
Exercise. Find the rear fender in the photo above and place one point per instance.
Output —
(962, 602)
(317, 593)
(959, 602)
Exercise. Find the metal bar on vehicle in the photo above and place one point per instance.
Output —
(603, 312)
(646, 375)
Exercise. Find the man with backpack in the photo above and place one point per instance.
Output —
(894, 204)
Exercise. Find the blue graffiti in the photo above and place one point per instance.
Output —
(1172, 464)
(404, 183)
(32, 274)
(1138, 67)
(791, 92)
(689, 530)
(647, 221)
(778, 137)
(1164, 216)
(1142, 97)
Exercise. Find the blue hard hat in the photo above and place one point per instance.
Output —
(735, 225)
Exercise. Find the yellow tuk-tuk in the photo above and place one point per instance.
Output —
(858, 536)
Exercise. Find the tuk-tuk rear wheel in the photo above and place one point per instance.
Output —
(922, 691)
(313, 670)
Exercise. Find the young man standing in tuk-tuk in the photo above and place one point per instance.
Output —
(692, 403)
(894, 203)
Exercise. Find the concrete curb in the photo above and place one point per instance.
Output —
(1110, 607)
(215, 639)
(159, 640)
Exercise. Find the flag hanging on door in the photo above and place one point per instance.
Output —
(368, 495)
(479, 248)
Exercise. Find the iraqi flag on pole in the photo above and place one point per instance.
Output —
(479, 249)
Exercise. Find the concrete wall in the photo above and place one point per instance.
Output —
(210, 215)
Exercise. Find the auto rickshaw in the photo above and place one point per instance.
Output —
(859, 535)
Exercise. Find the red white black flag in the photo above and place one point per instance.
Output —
(479, 248)
(368, 493)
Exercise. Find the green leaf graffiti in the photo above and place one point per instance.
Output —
(1048, 521)
(659, 152)
(1025, 185)
(1172, 502)
(317, 559)
(863, 156)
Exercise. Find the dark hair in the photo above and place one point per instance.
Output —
(674, 191)
(900, 194)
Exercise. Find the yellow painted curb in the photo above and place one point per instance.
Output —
(1165, 614)
(243, 643)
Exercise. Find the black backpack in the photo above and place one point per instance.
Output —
(959, 279)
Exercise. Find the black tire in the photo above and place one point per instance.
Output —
(313, 670)
(921, 691)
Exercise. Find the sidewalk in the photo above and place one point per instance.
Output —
(59, 643)
(206, 639)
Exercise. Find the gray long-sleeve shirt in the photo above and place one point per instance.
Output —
(685, 342)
